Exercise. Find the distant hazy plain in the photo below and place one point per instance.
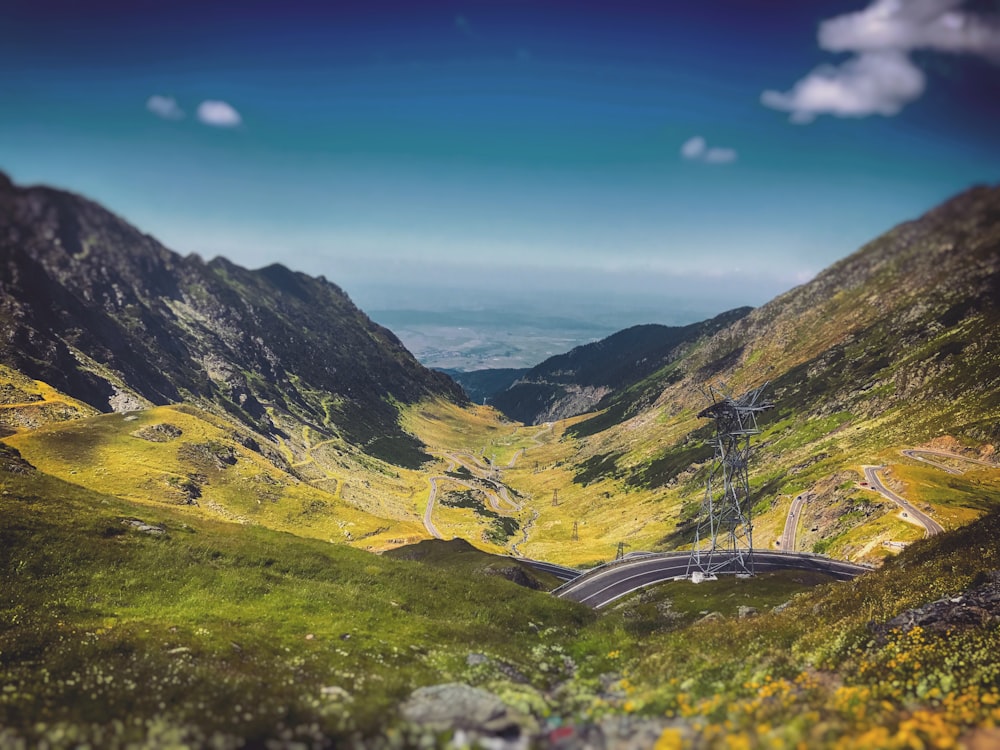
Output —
(519, 334)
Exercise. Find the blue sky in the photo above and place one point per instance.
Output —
(430, 154)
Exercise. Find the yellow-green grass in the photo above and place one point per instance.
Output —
(679, 603)
(607, 508)
(204, 465)
(468, 438)
(461, 558)
(295, 632)
(877, 539)
(814, 675)
(348, 496)
(444, 425)
(331, 464)
(952, 499)
(109, 633)
(27, 404)
(461, 523)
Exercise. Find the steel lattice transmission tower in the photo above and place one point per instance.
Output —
(723, 541)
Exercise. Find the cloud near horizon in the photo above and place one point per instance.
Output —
(165, 107)
(881, 78)
(696, 149)
(870, 83)
(218, 114)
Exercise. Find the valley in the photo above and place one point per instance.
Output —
(235, 489)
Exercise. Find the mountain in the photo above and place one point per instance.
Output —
(109, 316)
(578, 381)
(209, 561)
(895, 346)
(907, 324)
(482, 385)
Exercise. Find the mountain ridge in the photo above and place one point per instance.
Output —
(578, 381)
(894, 346)
(128, 322)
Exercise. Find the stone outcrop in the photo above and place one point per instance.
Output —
(978, 607)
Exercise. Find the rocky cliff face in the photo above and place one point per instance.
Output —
(110, 316)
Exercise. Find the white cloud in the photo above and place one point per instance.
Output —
(218, 114)
(165, 107)
(696, 149)
(870, 83)
(881, 78)
(717, 155)
(918, 24)
(693, 148)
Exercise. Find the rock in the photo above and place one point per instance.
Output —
(977, 607)
(475, 659)
(624, 732)
(743, 612)
(476, 717)
(618, 732)
(158, 433)
(512, 673)
(209, 455)
(10, 460)
(611, 686)
(145, 528)
(710, 617)
(125, 401)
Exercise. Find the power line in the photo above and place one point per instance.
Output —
(723, 541)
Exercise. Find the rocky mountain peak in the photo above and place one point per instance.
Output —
(108, 315)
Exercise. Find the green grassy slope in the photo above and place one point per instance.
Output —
(108, 630)
(123, 623)
(824, 671)
(894, 346)
(26, 404)
(181, 456)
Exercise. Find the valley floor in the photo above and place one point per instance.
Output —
(169, 580)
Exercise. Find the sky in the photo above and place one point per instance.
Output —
(645, 156)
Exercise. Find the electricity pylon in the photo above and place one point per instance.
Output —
(723, 541)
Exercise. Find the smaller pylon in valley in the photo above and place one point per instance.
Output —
(555, 497)
(576, 531)
(723, 541)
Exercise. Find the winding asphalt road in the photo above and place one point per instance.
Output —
(787, 541)
(500, 492)
(602, 586)
(559, 571)
(431, 497)
(931, 527)
(472, 464)
(917, 455)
